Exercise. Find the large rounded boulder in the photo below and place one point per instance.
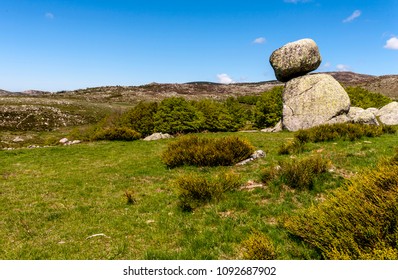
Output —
(313, 100)
(295, 59)
(389, 114)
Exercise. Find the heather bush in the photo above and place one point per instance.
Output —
(258, 247)
(192, 150)
(356, 221)
(116, 134)
(366, 99)
(195, 190)
(297, 173)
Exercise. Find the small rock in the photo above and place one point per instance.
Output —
(63, 140)
(276, 128)
(18, 139)
(258, 154)
(157, 136)
(74, 142)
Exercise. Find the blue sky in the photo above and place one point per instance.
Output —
(71, 44)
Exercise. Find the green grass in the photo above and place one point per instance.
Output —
(53, 199)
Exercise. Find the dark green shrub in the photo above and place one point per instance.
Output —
(176, 115)
(214, 116)
(366, 99)
(268, 109)
(297, 174)
(357, 221)
(116, 134)
(195, 190)
(241, 113)
(192, 150)
(141, 118)
(248, 99)
(258, 247)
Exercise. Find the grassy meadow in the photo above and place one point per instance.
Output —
(69, 202)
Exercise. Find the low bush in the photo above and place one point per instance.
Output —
(341, 131)
(366, 99)
(297, 174)
(192, 150)
(356, 221)
(116, 134)
(195, 190)
(258, 247)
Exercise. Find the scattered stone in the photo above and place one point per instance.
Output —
(18, 139)
(257, 154)
(389, 114)
(158, 136)
(97, 235)
(74, 142)
(295, 59)
(63, 140)
(313, 100)
(276, 128)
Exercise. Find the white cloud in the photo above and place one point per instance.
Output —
(259, 40)
(392, 43)
(355, 14)
(225, 79)
(49, 15)
(342, 67)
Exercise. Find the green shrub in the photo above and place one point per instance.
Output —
(366, 99)
(269, 108)
(297, 174)
(140, 118)
(241, 113)
(116, 134)
(341, 131)
(176, 115)
(258, 247)
(291, 147)
(195, 190)
(192, 150)
(356, 221)
(214, 116)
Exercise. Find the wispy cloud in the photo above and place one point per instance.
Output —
(259, 40)
(225, 79)
(354, 15)
(49, 15)
(392, 43)
(343, 67)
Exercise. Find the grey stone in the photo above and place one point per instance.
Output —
(18, 139)
(63, 140)
(295, 59)
(276, 128)
(389, 114)
(256, 155)
(313, 100)
(157, 136)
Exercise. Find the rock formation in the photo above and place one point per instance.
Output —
(308, 100)
(295, 59)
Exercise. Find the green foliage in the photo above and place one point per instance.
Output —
(215, 116)
(140, 118)
(366, 99)
(292, 147)
(248, 99)
(195, 190)
(258, 247)
(269, 108)
(192, 150)
(357, 221)
(176, 115)
(116, 134)
(297, 174)
(341, 131)
(241, 113)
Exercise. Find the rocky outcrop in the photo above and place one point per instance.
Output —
(359, 115)
(295, 59)
(313, 100)
(389, 114)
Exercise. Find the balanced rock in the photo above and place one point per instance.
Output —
(389, 114)
(295, 59)
(313, 100)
